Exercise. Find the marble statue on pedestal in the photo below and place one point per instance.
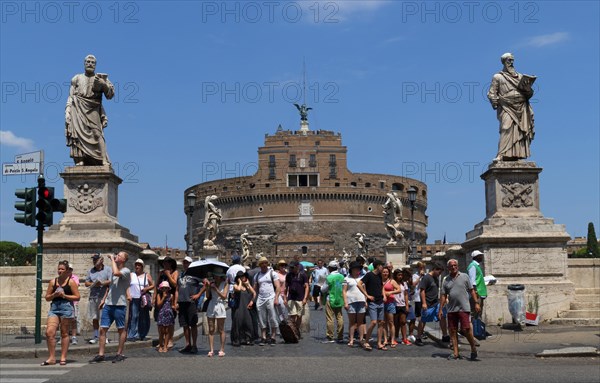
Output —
(392, 217)
(212, 219)
(509, 95)
(245, 246)
(85, 118)
(362, 246)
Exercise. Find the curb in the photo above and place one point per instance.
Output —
(40, 350)
(569, 352)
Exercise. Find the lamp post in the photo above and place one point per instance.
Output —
(190, 203)
(412, 197)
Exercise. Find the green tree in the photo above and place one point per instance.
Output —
(592, 242)
(13, 254)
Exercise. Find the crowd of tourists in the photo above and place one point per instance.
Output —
(267, 303)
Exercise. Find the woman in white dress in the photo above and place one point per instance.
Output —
(217, 311)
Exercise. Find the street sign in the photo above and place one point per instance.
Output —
(13, 169)
(27, 158)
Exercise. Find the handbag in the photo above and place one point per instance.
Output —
(146, 298)
(205, 305)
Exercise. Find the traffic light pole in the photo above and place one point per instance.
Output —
(38, 274)
(38, 286)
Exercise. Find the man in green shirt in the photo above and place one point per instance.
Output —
(335, 302)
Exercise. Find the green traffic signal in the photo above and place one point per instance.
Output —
(27, 206)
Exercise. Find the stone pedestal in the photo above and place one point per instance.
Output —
(88, 226)
(396, 254)
(209, 253)
(520, 245)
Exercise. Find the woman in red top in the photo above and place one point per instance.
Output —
(390, 287)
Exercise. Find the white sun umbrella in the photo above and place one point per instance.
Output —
(204, 267)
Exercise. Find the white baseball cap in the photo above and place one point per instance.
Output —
(334, 264)
(188, 259)
(140, 261)
(476, 253)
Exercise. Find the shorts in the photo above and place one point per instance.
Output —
(418, 308)
(188, 314)
(357, 308)
(462, 317)
(431, 314)
(62, 309)
(93, 309)
(295, 308)
(112, 314)
(376, 311)
(390, 308)
(411, 313)
(316, 291)
(401, 310)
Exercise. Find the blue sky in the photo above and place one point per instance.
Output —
(200, 83)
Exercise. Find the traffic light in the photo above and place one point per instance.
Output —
(27, 206)
(44, 205)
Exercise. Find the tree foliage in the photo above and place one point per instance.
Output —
(592, 242)
(13, 254)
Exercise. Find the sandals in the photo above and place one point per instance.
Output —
(210, 354)
(394, 344)
(382, 348)
(63, 363)
(47, 363)
(350, 344)
(221, 353)
(367, 346)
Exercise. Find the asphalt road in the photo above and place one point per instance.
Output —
(308, 361)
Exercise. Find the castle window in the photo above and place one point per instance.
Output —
(397, 186)
(303, 180)
(382, 184)
(353, 184)
(332, 160)
(292, 160)
(272, 161)
(304, 249)
(337, 184)
(285, 143)
(271, 173)
(312, 162)
(368, 185)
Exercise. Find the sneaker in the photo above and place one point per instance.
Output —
(93, 341)
(59, 341)
(273, 342)
(194, 350)
(119, 358)
(473, 355)
(446, 338)
(406, 342)
(97, 359)
(412, 338)
(419, 342)
(74, 340)
(328, 340)
(263, 342)
(107, 341)
(452, 357)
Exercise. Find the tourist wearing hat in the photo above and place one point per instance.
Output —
(189, 290)
(296, 293)
(333, 287)
(267, 287)
(241, 323)
(216, 313)
(476, 277)
(169, 274)
(115, 306)
(97, 279)
(166, 315)
(139, 317)
(355, 303)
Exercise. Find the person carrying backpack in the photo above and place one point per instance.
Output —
(266, 285)
(335, 302)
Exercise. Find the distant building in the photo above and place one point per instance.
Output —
(304, 200)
